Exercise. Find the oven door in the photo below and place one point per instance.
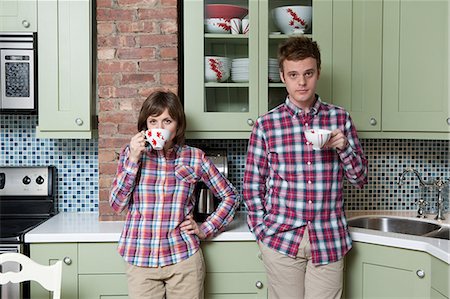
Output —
(10, 290)
(17, 75)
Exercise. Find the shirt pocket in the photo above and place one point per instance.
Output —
(186, 174)
(283, 167)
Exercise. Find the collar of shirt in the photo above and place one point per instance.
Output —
(294, 110)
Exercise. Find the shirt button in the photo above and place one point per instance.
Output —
(306, 124)
(309, 182)
(310, 201)
(309, 162)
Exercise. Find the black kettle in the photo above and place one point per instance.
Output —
(205, 201)
(205, 204)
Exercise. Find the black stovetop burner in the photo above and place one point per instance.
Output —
(12, 230)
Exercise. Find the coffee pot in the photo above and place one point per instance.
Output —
(205, 201)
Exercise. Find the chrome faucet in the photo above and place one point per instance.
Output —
(408, 170)
(438, 184)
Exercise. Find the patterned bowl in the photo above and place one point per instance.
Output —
(217, 25)
(292, 19)
(217, 69)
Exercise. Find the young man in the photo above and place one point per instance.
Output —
(294, 193)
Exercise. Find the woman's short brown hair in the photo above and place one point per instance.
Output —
(298, 48)
(155, 105)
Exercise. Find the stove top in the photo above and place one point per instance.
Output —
(12, 230)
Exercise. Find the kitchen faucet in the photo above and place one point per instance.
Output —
(438, 184)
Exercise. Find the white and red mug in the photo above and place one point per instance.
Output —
(318, 137)
(157, 138)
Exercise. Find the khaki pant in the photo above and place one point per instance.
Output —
(298, 278)
(182, 280)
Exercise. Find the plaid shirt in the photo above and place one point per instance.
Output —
(158, 192)
(288, 185)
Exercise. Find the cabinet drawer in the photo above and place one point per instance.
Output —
(103, 286)
(99, 258)
(232, 257)
(235, 285)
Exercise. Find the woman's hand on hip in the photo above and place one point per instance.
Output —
(191, 227)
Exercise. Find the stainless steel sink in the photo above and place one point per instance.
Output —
(442, 233)
(396, 225)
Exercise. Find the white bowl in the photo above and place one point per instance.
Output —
(217, 25)
(290, 19)
(217, 68)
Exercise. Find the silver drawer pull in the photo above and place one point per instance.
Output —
(26, 24)
(420, 273)
(79, 121)
(259, 284)
(373, 121)
(250, 122)
(67, 260)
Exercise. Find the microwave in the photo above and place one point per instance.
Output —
(18, 73)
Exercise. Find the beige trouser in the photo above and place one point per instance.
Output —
(182, 280)
(298, 278)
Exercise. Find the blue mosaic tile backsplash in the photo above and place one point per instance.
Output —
(77, 164)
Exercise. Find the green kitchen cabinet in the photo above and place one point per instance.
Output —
(48, 254)
(229, 109)
(90, 270)
(96, 270)
(391, 67)
(440, 279)
(66, 89)
(18, 15)
(376, 271)
(234, 270)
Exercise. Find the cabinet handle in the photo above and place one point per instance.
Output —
(250, 122)
(372, 121)
(259, 284)
(79, 121)
(25, 23)
(67, 260)
(448, 121)
(420, 273)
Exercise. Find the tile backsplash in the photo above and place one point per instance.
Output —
(77, 164)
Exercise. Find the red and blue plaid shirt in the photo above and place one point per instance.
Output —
(288, 185)
(158, 192)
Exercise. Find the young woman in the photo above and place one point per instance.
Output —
(160, 240)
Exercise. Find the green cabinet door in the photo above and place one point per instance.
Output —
(375, 271)
(440, 279)
(65, 68)
(416, 66)
(234, 270)
(219, 106)
(18, 15)
(103, 286)
(48, 254)
(357, 60)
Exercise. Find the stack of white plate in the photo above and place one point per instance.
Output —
(239, 70)
(274, 73)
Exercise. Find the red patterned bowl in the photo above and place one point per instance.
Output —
(225, 11)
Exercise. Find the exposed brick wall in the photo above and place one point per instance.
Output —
(137, 53)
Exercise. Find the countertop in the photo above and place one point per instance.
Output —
(85, 227)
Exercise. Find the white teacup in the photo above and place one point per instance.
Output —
(157, 138)
(318, 137)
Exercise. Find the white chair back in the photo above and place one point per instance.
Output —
(48, 276)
